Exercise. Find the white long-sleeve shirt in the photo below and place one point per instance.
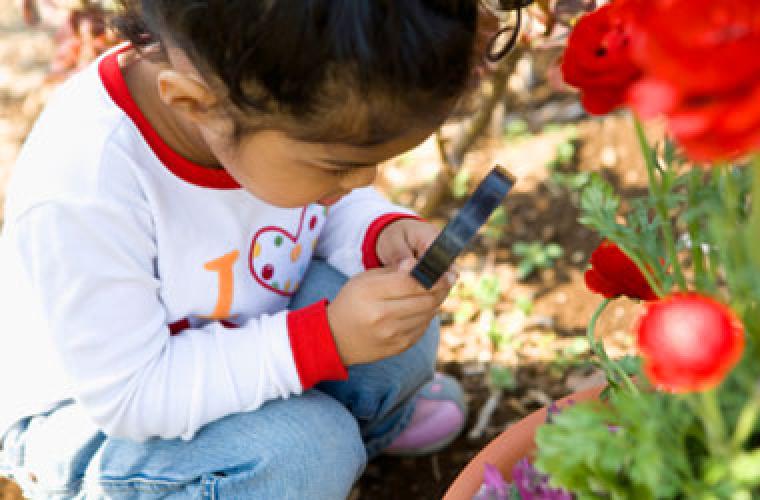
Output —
(151, 289)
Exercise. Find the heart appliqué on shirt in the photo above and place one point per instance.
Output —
(278, 258)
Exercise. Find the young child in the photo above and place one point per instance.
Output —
(179, 229)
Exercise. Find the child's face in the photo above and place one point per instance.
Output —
(273, 166)
(286, 172)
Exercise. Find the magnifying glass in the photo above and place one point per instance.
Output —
(462, 228)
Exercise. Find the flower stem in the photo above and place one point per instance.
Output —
(745, 424)
(661, 204)
(712, 418)
(697, 254)
(754, 218)
(612, 369)
(652, 280)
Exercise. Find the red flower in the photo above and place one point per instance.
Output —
(597, 59)
(613, 274)
(702, 71)
(689, 342)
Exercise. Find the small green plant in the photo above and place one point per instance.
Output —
(559, 167)
(502, 377)
(465, 312)
(488, 291)
(524, 304)
(496, 224)
(516, 129)
(535, 255)
(460, 184)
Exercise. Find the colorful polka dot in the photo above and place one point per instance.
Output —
(324, 210)
(257, 250)
(278, 241)
(295, 253)
(313, 244)
(267, 272)
(313, 222)
(287, 286)
(275, 285)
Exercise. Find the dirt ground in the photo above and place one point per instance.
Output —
(545, 347)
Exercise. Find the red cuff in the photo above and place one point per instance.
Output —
(313, 346)
(369, 247)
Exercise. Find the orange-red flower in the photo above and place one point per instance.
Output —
(597, 60)
(702, 71)
(689, 342)
(613, 274)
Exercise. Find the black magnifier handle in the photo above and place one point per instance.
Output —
(462, 228)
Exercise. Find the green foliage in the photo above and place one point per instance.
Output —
(502, 377)
(694, 230)
(460, 185)
(497, 223)
(524, 304)
(642, 456)
(516, 129)
(535, 255)
(464, 312)
(488, 291)
(559, 167)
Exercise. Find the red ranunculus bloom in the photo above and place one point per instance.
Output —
(689, 342)
(701, 64)
(597, 60)
(613, 274)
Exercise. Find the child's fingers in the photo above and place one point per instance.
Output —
(390, 284)
(443, 286)
(409, 307)
(413, 327)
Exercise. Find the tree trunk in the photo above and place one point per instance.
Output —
(496, 88)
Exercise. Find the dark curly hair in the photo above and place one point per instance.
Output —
(354, 71)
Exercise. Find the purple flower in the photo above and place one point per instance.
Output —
(494, 486)
(533, 485)
(492, 478)
(554, 409)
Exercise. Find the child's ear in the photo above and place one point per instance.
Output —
(186, 95)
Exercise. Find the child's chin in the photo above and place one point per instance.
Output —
(329, 200)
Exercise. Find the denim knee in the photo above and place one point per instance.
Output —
(305, 447)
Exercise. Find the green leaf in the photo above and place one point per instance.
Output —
(524, 269)
(520, 248)
(503, 377)
(516, 129)
(524, 304)
(554, 251)
(630, 364)
(565, 152)
(460, 185)
(745, 468)
(488, 291)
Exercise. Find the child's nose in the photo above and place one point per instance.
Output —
(360, 177)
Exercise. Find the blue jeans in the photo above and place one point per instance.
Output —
(311, 446)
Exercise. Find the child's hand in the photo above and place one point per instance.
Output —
(382, 312)
(404, 239)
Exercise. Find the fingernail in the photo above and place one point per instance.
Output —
(407, 265)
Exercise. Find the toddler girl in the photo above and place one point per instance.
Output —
(180, 226)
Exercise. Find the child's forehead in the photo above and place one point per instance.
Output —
(344, 154)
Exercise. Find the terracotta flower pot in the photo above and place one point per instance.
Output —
(507, 449)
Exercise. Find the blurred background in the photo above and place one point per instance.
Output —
(514, 327)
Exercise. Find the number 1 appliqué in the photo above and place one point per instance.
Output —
(224, 267)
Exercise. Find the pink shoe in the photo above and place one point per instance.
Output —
(438, 418)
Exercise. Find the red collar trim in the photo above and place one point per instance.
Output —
(188, 171)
